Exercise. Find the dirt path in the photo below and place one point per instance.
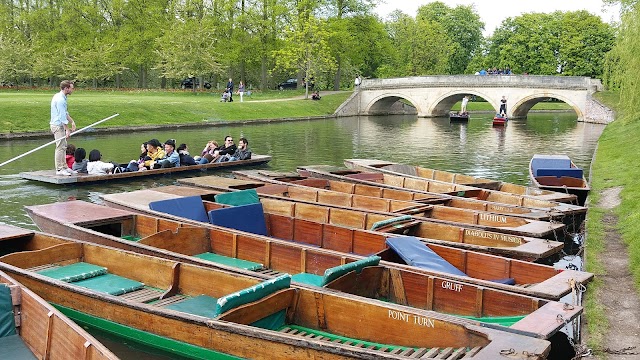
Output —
(618, 295)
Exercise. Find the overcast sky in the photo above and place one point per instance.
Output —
(492, 12)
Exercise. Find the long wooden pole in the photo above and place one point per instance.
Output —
(51, 142)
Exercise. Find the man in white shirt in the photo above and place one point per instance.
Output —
(60, 127)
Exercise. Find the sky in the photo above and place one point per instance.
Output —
(492, 12)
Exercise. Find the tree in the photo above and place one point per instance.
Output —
(15, 61)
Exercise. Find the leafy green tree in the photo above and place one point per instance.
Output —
(15, 60)
(464, 28)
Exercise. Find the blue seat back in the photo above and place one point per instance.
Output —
(570, 172)
(249, 218)
(190, 207)
(416, 253)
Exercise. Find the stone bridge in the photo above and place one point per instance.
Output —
(433, 96)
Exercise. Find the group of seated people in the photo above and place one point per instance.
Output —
(155, 155)
(495, 71)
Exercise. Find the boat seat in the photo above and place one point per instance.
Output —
(190, 207)
(249, 218)
(131, 238)
(12, 345)
(335, 272)
(229, 261)
(416, 253)
(74, 272)
(110, 284)
(383, 223)
(238, 198)
(202, 305)
(570, 172)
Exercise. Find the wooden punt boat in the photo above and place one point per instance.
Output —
(331, 228)
(167, 238)
(30, 328)
(437, 212)
(457, 117)
(217, 311)
(558, 173)
(449, 182)
(500, 120)
(49, 176)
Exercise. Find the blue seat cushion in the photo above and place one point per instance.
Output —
(238, 198)
(416, 253)
(249, 218)
(202, 305)
(570, 172)
(190, 207)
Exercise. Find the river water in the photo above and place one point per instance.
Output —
(476, 148)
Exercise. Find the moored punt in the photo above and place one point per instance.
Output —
(263, 257)
(225, 312)
(547, 211)
(49, 176)
(30, 328)
(448, 182)
(365, 198)
(296, 222)
(558, 173)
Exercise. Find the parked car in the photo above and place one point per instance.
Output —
(188, 83)
(289, 84)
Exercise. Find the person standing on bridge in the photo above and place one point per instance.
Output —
(503, 106)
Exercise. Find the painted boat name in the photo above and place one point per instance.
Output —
(410, 318)
(493, 236)
(451, 286)
(492, 217)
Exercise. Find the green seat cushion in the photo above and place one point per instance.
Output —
(226, 260)
(111, 284)
(309, 279)
(252, 293)
(13, 347)
(383, 223)
(238, 198)
(202, 305)
(337, 271)
(7, 320)
(131, 237)
(500, 320)
(74, 272)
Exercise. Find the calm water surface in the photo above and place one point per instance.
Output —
(474, 148)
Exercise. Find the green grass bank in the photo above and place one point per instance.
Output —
(27, 110)
(614, 166)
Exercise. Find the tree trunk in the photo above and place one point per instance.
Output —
(263, 74)
(336, 80)
(118, 81)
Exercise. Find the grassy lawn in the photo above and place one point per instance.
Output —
(614, 166)
(28, 110)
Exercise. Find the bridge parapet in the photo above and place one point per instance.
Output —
(485, 81)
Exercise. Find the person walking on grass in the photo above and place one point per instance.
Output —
(60, 129)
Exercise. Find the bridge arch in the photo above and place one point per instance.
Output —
(521, 108)
(390, 103)
(442, 105)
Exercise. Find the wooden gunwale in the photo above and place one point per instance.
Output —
(545, 281)
(49, 176)
(35, 318)
(508, 193)
(247, 340)
(404, 202)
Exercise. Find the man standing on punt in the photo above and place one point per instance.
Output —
(59, 127)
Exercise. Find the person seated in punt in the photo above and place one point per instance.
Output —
(241, 153)
(80, 161)
(185, 157)
(71, 149)
(155, 152)
(134, 165)
(207, 153)
(96, 166)
(171, 157)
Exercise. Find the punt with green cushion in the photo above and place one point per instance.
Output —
(229, 261)
(336, 272)
(11, 344)
(211, 307)
(93, 277)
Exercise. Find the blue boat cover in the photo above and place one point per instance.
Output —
(416, 253)
(190, 207)
(549, 162)
(249, 218)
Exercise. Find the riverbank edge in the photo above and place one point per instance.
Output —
(122, 129)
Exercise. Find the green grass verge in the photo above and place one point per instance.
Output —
(28, 110)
